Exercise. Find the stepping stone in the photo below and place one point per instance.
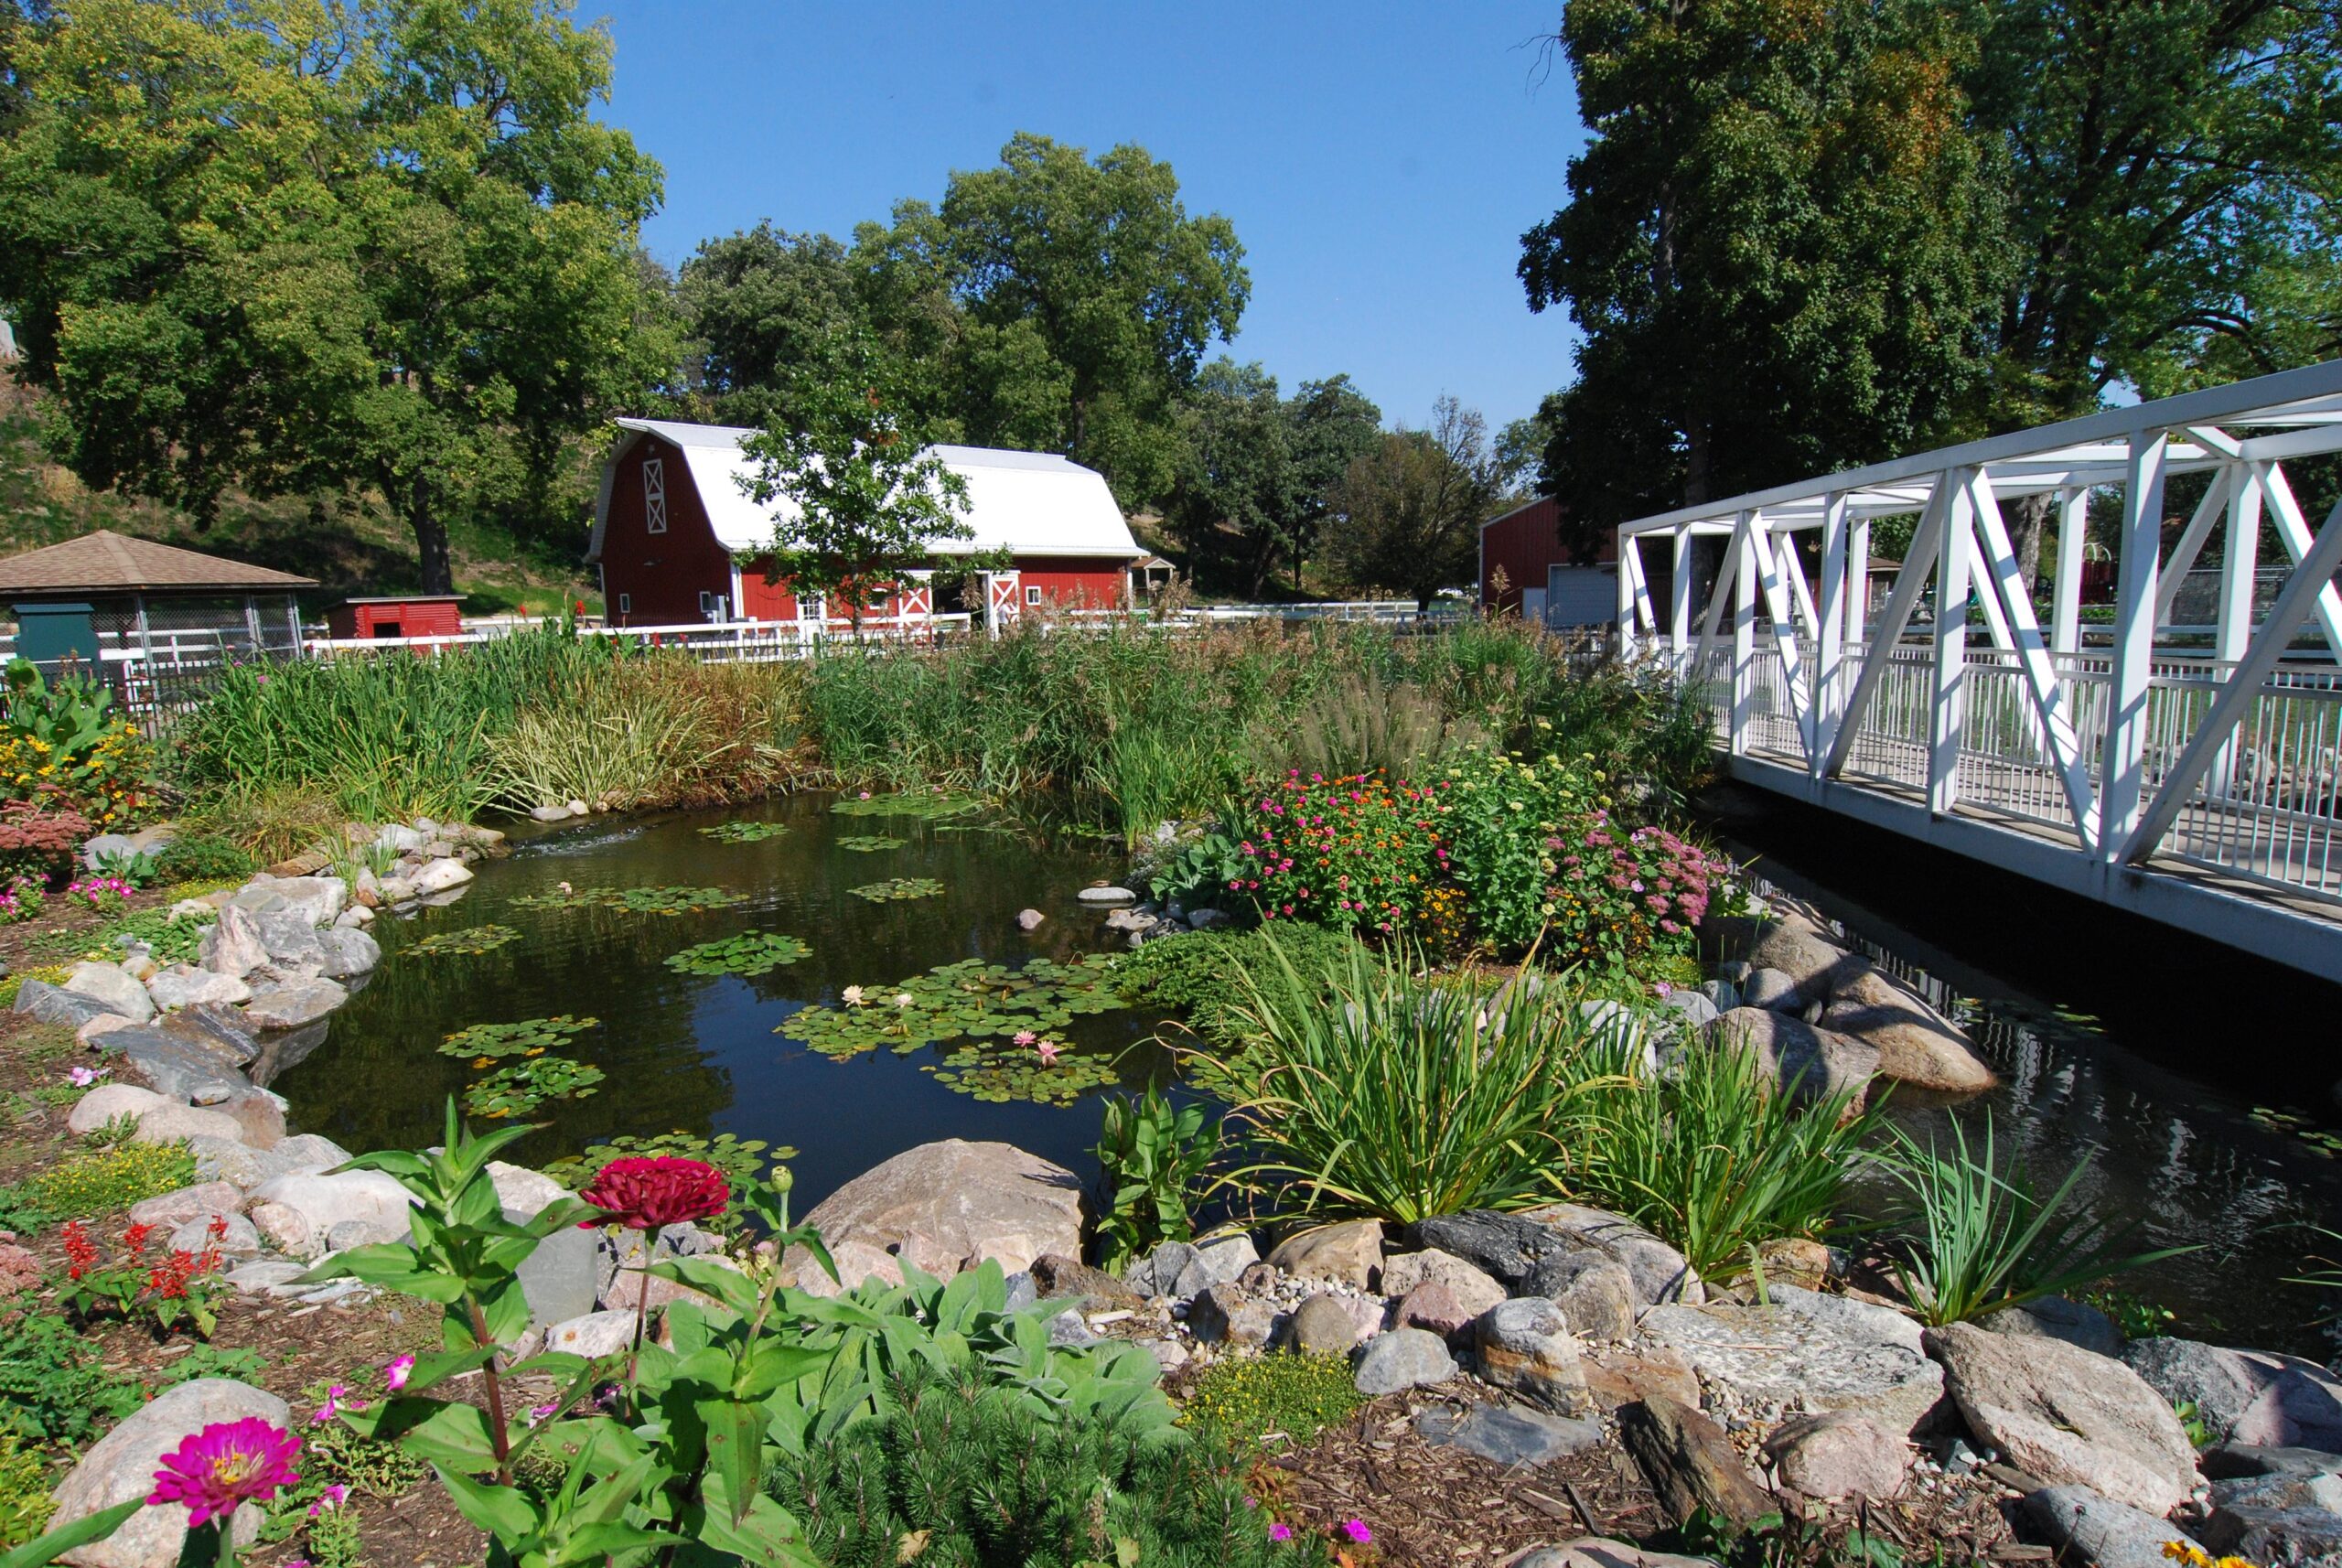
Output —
(1507, 1434)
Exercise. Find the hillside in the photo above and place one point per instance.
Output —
(350, 545)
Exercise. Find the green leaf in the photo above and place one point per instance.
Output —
(501, 1511)
(730, 1286)
(762, 1534)
(456, 1435)
(736, 1434)
(65, 1538)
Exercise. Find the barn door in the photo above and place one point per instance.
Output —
(1003, 600)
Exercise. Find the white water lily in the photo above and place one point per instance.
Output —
(903, 998)
(851, 995)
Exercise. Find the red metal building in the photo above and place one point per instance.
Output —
(412, 614)
(676, 535)
(1541, 579)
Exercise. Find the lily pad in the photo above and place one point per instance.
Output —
(869, 844)
(471, 940)
(894, 889)
(751, 952)
(967, 1000)
(515, 1090)
(997, 1075)
(528, 1037)
(933, 807)
(745, 832)
(635, 900)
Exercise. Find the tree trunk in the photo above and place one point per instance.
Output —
(431, 541)
(2025, 529)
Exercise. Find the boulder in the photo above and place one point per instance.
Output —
(1617, 1375)
(2099, 1531)
(273, 1276)
(439, 875)
(1224, 1315)
(311, 1151)
(2054, 1318)
(2320, 1492)
(38, 1000)
(260, 1115)
(858, 1262)
(1797, 1260)
(178, 1068)
(291, 1006)
(348, 951)
(173, 1210)
(592, 1334)
(109, 985)
(1596, 1298)
(1508, 1435)
(958, 1202)
(1107, 895)
(233, 946)
(1915, 1044)
(369, 1197)
(170, 1122)
(2232, 1461)
(1403, 1359)
(101, 847)
(1433, 1305)
(1471, 1288)
(1526, 1345)
(235, 1237)
(1694, 1008)
(1796, 950)
(1319, 1326)
(1813, 1063)
(2302, 1536)
(2062, 1414)
(1820, 1352)
(121, 1465)
(397, 838)
(559, 1279)
(217, 1026)
(111, 1101)
(1350, 1252)
(1057, 1278)
(182, 985)
(1771, 990)
(291, 942)
(287, 1228)
(317, 899)
(1839, 1455)
(2253, 1397)
(1690, 1463)
(1658, 1271)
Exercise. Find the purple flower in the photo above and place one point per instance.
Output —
(395, 1374)
(334, 1496)
(227, 1463)
(1356, 1529)
(82, 1076)
(1280, 1532)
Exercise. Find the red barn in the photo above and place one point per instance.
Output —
(1541, 580)
(412, 614)
(676, 535)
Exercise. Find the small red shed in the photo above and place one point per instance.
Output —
(409, 614)
(1542, 580)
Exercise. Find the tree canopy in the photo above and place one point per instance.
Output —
(1407, 514)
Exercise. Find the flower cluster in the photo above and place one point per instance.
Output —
(23, 898)
(1357, 851)
(108, 779)
(664, 1189)
(1619, 893)
(173, 1288)
(39, 837)
(104, 894)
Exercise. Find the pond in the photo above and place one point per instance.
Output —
(698, 1052)
(2200, 1081)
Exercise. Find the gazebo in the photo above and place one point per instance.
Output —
(106, 602)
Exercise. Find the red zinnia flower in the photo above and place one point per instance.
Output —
(226, 1464)
(645, 1194)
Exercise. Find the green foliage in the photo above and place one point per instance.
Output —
(1404, 1098)
(1252, 1399)
(520, 1089)
(25, 1503)
(647, 729)
(1411, 506)
(53, 1391)
(635, 900)
(202, 857)
(1362, 722)
(868, 843)
(896, 890)
(529, 1037)
(1498, 815)
(106, 1179)
(173, 941)
(751, 952)
(1715, 1159)
(1151, 1157)
(1985, 1238)
(969, 999)
(64, 745)
(742, 1160)
(745, 832)
(928, 806)
(996, 1073)
(470, 940)
(1202, 871)
(1197, 975)
(953, 1476)
(205, 1360)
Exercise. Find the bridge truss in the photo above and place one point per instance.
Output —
(2194, 779)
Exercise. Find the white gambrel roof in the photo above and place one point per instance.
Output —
(1027, 503)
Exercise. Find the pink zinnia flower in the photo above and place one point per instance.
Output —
(646, 1194)
(336, 1401)
(1356, 1529)
(335, 1494)
(394, 1376)
(227, 1463)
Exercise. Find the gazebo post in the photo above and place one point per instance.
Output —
(251, 622)
(293, 620)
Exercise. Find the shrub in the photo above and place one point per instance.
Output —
(953, 1475)
(1249, 1399)
(39, 838)
(1197, 975)
(1622, 895)
(65, 741)
(1150, 1159)
(1402, 1098)
(25, 1503)
(1716, 1160)
(1982, 1238)
(202, 857)
(1357, 851)
(1499, 817)
(99, 1182)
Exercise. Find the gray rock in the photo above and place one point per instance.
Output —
(1690, 1463)
(541, 814)
(171, 1120)
(252, 1279)
(1225, 1259)
(440, 876)
(110, 1102)
(1224, 1315)
(1175, 1270)
(399, 839)
(1539, 1252)
(1509, 1435)
(50, 1004)
(291, 938)
(2054, 1318)
(182, 985)
(198, 1202)
(96, 851)
(559, 1280)
(1811, 1064)
(1597, 1298)
(216, 1027)
(1801, 951)
(1601, 1551)
(1403, 1359)
(954, 1203)
(2320, 1492)
(1838, 1454)
(1107, 895)
(2253, 1397)
(2097, 1531)
(1807, 1351)
(237, 1237)
(1208, 920)
(362, 1198)
(2275, 1538)
(233, 946)
(291, 1006)
(1320, 1326)
(2230, 1461)
(229, 1160)
(1525, 1345)
(121, 1465)
(310, 1150)
(1474, 1290)
(348, 951)
(109, 986)
(178, 1066)
(2068, 1416)
(592, 1334)
(1698, 1009)
(1069, 1332)
(1771, 990)
(1349, 1251)
(287, 1230)
(1022, 1290)
(317, 899)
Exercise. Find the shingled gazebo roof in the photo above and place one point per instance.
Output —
(110, 562)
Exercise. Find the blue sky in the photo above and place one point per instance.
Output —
(1378, 161)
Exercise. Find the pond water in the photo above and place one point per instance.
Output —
(2168, 1059)
(698, 1053)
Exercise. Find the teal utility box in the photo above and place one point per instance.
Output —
(49, 634)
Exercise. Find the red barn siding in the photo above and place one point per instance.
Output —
(1075, 582)
(1527, 540)
(762, 599)
(662, 575)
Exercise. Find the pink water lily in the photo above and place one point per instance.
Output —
(1026, 1037)
(1049, 1051)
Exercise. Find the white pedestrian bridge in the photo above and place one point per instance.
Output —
(2191, 774)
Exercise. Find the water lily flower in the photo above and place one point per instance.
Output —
(395, 1374)
(1049, 1051)
(226, 1465)
(1026, 1037)
(850, 996)
(903, 999)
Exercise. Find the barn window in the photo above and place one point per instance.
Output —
(1032, 595)
(654, 495)
(625, 604)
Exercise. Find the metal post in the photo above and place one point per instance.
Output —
(1948, 667)
(2240, 556)
(1830, 641)
(1626, 595)
(251, 623)
(2073, 548)
(1679, 594)
(1743, 636)
(2123, 765)
(1858, 582)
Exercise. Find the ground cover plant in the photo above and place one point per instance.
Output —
(520, 1089)
(106, 1176)
(969, 999)
(1276, 1401)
